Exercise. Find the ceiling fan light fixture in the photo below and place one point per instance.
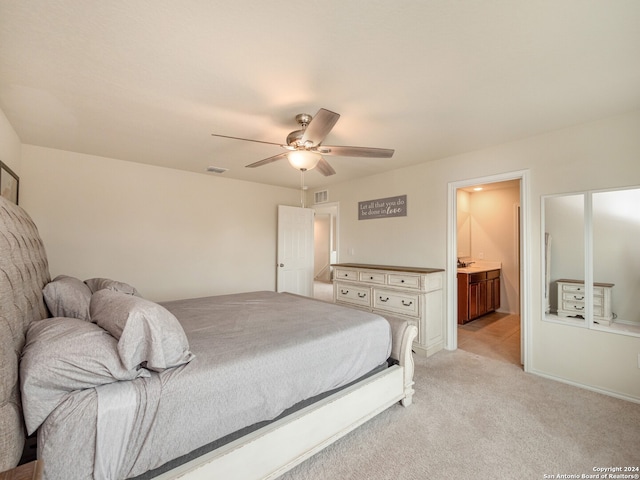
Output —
(303, 159)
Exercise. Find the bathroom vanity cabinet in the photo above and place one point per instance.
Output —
(478, 293)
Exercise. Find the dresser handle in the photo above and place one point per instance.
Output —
(578, 308)
(362, 295)
(384, 299)
(344, 292)
(402, 281)
(407, 304)
(578, 298)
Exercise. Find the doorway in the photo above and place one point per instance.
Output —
(493, 231)
(325, 241)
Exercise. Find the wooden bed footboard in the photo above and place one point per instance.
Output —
(276, 448)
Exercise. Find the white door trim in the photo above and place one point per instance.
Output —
(525, 258)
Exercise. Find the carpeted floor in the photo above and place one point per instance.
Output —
(478, 418)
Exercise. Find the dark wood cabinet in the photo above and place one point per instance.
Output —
(478, 294)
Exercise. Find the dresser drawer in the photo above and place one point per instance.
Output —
(353, 294)
(403, 280)
(373, 277)
(392, 301)
(346, 275)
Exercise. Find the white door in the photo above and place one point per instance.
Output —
(295, 250)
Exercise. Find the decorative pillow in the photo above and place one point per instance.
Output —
(148, 334)
(67, 297)
(62, 355)
(96, 284)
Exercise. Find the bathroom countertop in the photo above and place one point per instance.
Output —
(480, 266)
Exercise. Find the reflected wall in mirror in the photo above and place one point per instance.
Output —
(464, 224)
(591, 259)
(616, 249)
(564, 248)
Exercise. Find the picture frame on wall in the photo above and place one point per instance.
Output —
(9, 183)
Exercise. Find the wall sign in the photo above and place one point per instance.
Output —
(383, 208)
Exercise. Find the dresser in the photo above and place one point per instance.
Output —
(571, 300)
(410, 293)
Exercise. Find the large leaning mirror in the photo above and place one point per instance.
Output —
(591, 259)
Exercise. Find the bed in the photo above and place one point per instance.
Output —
(234, 386)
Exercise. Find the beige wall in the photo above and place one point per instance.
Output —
(601, 154)
(9, 145)
(172, 234)
(494, 238)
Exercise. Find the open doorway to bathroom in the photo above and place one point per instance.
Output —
(488, 257)
(325, 240)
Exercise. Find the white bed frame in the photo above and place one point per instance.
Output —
(276, 448)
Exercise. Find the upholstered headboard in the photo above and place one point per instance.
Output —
(23, 273)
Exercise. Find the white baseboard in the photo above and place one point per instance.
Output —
(609, 393)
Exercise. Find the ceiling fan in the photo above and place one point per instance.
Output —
(304, 148)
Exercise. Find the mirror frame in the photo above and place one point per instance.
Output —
(620, 326)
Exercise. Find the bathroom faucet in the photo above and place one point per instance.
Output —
(462, 264)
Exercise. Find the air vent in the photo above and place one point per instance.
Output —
(213, 169)
(321, 196)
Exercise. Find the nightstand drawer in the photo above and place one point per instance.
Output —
(580, 297)
(578, 308)
(573, 288)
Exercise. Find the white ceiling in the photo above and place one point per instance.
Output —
(149, 81)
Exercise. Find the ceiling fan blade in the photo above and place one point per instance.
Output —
(259, 163)
(319, 127)
(246, 139)
(324, 168)
(355, 151)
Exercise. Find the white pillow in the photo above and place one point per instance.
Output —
(148, 334)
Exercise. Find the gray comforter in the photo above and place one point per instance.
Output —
(256, 354)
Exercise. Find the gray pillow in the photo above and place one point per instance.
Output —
(67, 297)
(96, 284)
(148, 334)
(62, 355)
